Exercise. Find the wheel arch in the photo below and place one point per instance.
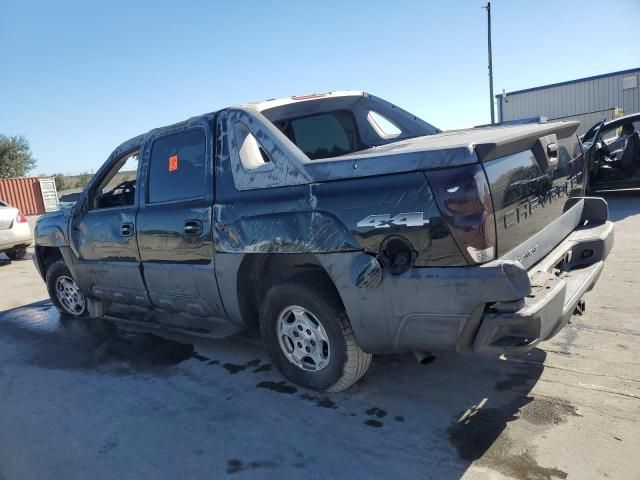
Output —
(259, 272)
(45, 257)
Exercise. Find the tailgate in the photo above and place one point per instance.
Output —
(7, 216)
(530, 190)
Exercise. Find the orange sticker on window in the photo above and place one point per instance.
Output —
(173, 163)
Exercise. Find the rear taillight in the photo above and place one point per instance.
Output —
(20, 218)
(464, 199)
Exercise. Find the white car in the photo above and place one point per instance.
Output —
(15, 234)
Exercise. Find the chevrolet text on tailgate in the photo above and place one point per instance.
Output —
(341, 226)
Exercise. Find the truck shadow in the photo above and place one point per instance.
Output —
(455, 411)
(471, 400)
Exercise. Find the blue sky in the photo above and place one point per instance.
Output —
(79, 77)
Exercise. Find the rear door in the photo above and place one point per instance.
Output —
(175, 233)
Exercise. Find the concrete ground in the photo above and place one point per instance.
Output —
(98, 400)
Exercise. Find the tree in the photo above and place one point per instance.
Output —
(16, 159)
(61, 181)
(83, 179)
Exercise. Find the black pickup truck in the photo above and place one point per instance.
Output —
(341, 226)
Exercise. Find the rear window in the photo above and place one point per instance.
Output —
(177, 167)
(324, 135)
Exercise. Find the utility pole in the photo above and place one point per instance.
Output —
(488, 9)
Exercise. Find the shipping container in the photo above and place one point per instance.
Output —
(32, 195)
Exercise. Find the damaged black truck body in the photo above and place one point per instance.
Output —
(341, 226)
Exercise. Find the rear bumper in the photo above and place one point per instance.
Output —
(558, 283)
(497, 307)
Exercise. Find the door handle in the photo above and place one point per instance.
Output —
(126, 229)
(193, 227)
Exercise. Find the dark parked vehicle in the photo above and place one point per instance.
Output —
(613, 152)
(341, 226)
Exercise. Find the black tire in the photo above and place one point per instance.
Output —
(347, 363)
(16, 253)
(55, 271)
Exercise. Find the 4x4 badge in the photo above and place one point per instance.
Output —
(411, 219)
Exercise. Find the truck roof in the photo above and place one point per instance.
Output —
(279, 102)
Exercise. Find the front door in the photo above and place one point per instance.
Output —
(103, 234)
(175, 233)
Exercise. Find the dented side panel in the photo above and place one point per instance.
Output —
(325, 217)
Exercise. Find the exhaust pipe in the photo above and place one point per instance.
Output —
(424, 358)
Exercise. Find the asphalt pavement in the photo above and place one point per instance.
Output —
(100, 400)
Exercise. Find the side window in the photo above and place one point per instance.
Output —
(118, 188)
(252, 155)
(177, 167)
(323, 135)
(383, 126)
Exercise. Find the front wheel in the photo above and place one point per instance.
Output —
(309, 337)
(64, 292)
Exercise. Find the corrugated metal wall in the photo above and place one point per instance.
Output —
(595, 94)
(23, 193)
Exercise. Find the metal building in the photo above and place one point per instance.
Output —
(588, 100)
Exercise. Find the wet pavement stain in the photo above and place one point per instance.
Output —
(399, 418)
(548, 411)
(378, 412)
(235, 465)
(279, 387)
(214, 362)
(322, 402)
(263, 368)
(68, 343)
(108, 447)
(233, 368)
(481, 435)
(200, 358)
(373, 423)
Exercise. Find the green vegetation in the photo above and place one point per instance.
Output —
(16, 159)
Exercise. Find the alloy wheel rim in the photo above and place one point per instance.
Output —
(69, 295)
(302, 339)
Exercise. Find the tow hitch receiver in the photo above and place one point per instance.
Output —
(580, 308)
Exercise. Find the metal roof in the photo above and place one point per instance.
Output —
(569, 82)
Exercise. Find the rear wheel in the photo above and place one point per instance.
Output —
(17, 253)
(309, 337)
(64, 291)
